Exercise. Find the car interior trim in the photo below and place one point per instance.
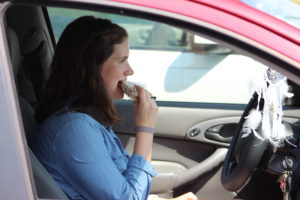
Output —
(14, 123)
(209, 164)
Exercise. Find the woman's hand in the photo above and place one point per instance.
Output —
(186, 196)
(145, 115)
(145, 109)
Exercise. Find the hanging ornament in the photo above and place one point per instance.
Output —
(273, 89)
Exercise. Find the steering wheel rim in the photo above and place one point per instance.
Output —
(244, 154)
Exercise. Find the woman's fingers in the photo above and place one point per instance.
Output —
(143, 94)
(187, 196)
(145, 109)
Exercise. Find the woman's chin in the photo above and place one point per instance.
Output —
(119, 96)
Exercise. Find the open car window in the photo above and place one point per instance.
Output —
(177, 65)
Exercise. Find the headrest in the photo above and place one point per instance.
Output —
(14, 49)
(32, 39)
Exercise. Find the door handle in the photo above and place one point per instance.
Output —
(221, 133)
(217, 137)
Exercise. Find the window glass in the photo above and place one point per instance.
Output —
(177, 65)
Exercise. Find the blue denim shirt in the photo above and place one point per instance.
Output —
(88, 161)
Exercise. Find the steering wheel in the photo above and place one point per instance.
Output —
(244, 153)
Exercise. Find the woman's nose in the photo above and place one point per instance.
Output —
(129, 71)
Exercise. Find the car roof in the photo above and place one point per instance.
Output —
(242, 10)
(237, 17)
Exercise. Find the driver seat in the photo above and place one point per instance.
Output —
(46, 187)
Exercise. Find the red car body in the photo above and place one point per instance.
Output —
(237, 18)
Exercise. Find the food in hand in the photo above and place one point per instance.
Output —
(129, 88)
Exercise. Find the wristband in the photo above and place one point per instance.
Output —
(144, 129)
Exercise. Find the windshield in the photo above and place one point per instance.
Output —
(286, 10)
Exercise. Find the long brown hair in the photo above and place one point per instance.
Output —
(75, 80)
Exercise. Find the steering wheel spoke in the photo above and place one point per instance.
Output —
(244, 155)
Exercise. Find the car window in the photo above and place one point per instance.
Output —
(177, 65)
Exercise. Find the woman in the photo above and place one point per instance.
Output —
(75, 142)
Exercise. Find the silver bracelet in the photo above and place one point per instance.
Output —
(144, 129)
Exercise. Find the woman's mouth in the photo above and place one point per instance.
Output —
(120, 83)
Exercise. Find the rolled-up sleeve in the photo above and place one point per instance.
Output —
(86, 164)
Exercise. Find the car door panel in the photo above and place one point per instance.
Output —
(188, 117)
(165, 179)
(216, 131)
(173, 150)
(179, 158)
(178, 162)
